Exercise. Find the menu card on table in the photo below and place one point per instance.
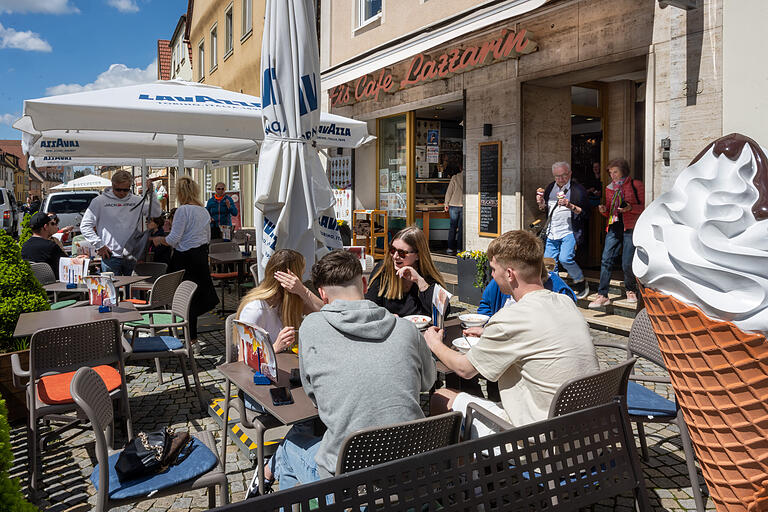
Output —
(440, 300)
(256, 349)
(101, 290)
(71, 270)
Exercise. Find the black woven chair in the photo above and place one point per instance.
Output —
(559, 464)
(44, 275)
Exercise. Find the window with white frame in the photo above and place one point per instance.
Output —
(367, 10)
(247, 17)
(234, 178)
(228, 28)
(208, 183)
(214, 47)
(201, 60)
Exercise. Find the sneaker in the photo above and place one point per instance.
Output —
(253, 489)
(599, 302)
(581, 288)
(631, 297)
(450, 251)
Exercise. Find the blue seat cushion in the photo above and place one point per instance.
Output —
(156, 344)
(196, 459)
(641, 401)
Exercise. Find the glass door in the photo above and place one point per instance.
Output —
(392, 189)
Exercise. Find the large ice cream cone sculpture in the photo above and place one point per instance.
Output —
(702, 256)
(720, 377)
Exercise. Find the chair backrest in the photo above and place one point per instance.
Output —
(559, 464)
(377, 445)
(255, 273)
(643, 341)
(229, 329)
(224, 247)
(183, 298)
(597, 388)
(91, 395)
(65, 349)
(163, 290)
(154, 269)
(43, 273)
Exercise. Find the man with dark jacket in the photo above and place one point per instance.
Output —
(40, 248)
(567, 207)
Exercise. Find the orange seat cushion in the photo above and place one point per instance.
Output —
(135, 301)
(224, 275)
(54, 389)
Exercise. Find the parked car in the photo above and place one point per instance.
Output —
(9, 210)
(69, 206)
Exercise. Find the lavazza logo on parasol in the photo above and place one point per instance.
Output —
(199, 100)
(59, 143)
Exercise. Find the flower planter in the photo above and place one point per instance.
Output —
(467, 268)
(14, 397)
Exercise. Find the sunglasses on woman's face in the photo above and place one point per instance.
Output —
(399, 252)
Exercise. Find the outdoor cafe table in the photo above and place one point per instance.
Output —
(29, 323)
(241, 375)
(119, 282)
(237, 257)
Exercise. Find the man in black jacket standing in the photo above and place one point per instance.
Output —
(566, 204)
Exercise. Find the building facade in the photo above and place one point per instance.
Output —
(503, 89)
(13, 159)
(225, 39)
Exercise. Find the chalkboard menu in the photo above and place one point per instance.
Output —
(490, 188)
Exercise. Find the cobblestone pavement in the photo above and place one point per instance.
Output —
(68, 461)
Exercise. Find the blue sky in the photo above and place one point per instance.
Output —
(59, 46)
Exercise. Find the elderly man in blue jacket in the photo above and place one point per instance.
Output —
(221, 207)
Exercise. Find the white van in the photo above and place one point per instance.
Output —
(69, 206)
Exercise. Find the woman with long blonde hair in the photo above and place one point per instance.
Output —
(189, 236)
(280, 301)
(404, 281)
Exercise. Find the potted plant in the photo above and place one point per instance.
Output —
(474, 275)
(19, 293)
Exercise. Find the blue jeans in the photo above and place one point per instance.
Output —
(614, 240)
(294, 460)
(564, 251)
(455, 231)
(120, 266)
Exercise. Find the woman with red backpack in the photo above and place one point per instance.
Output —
(624, 202)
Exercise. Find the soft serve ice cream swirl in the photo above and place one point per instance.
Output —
(705, 242)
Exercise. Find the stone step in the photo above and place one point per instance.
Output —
(605, 321)
(445, 264)
(619, 305)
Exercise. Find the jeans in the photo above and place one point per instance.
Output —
(564, 251)
(120, 266)
(294, 460)
(614, 240)
(456, 214)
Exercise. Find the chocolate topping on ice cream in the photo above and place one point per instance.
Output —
(731, 146)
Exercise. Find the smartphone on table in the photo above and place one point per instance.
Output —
(281, 396)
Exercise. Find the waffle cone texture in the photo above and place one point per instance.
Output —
(720, 377)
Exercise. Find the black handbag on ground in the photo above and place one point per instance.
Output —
(150, 452)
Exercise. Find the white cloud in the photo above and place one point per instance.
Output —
(41, 6)
(123, 5)
(27, 40)
(8, 118)
(116, 76)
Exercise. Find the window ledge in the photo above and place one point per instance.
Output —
(201, 79)
(376, 19)
(228, 54)
(246, 35)
(214, 68)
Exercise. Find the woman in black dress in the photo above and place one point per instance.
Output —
(404, 281)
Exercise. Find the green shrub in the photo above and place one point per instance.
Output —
(19, 291)
(26, 231)
(11, 498)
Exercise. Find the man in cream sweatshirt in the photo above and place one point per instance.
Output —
(111, 219)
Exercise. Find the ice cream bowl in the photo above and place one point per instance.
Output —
(421, 321)
(473, 319)
(464, 343)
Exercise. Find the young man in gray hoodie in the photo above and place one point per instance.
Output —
(361, 365)
(111, 219)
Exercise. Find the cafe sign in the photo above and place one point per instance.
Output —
(424, 68)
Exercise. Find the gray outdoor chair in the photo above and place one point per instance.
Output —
(646, 406)
(90, 395)
(255, 274)
(158, 347)
(377, 445)
(54, 356)
(153, 269)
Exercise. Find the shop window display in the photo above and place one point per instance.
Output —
(393, 169)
